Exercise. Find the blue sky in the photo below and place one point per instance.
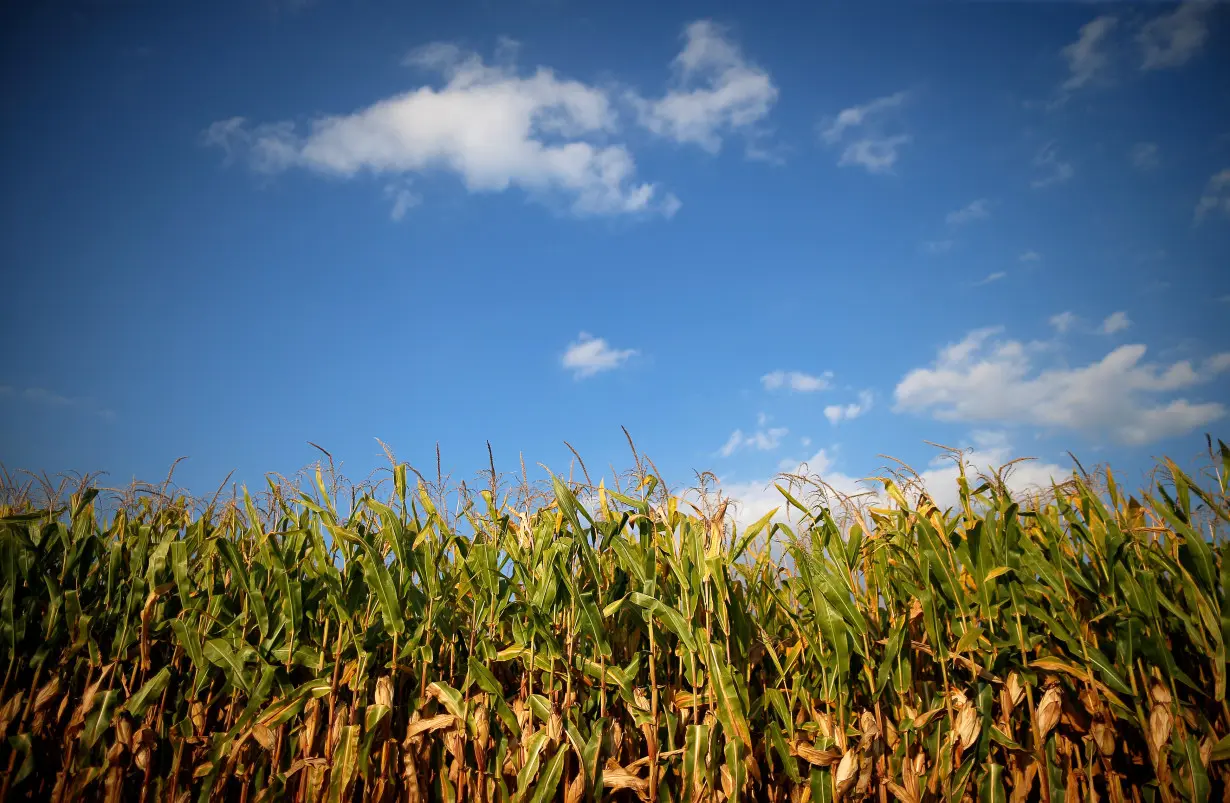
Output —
(754, 237)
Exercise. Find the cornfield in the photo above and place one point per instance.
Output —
(394, 641)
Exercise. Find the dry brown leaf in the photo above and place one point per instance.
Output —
(575, 790)
(869, 729)
(1050, 707)
(1104, 737)
(1160, 724)
(47, 694)
(618, 778)
(263, 736)
(846, 773)
(435, 723)
(1159, 694)
(820, 758)
(968, 726)
(384, 691)
(9, 712)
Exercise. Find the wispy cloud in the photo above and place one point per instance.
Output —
(862, 133)
(403, 198)
(797, 381)
(981, 379)
(1145, 156)
(590, 355)
(836, 413)
(1087, 57)
(43, 397)
(764, 440)
(716, 91)
(1030, 256)
(979, 209)
(1053, 170)
(1216, 197)
(1115, 322)
(1171, 40)
(1063, 321)
(991, 277)
(937, 246)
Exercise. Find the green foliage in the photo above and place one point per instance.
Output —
(586, 643)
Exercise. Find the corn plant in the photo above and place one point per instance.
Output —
(587, 643)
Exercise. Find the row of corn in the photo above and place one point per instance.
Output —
(402, 644)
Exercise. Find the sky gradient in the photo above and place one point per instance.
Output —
(754, 237)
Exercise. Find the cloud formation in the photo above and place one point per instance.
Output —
(836, 413)
(979, 209)
(985, 451)
(796, 381)
(1086, 57)
(991, 278)
(1144, 156)
(980, 379)
(1115, 322)
(1216, 197)
(1053, 170)
(590, 355)
(1063, 321)
(715, 91)
(764, 440)
(861, 132)
(1171, 40)
(497, 127)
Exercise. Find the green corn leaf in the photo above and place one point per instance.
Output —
(99, 718)
(730, 707)
(670, 618)
(148, 693)
(545, 789)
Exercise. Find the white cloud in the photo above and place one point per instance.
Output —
(937, 246)
(862, 129)
(1216, 196)
(856, 116)
(716, 91)
(837, 413)
(991, 277)
(1063, 321)
(1030, 256)
(1171, 40)
(874, 154)
(590, 355)
(226, 134)
(1086, 57)
(1144, 156)
(762, 440)
(492, 126)
(403, 198)
(987, 452)
(981, 380)
(1054, 170)
(1115, 322)
(796, 381)
(755, 498)
(974, 210)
